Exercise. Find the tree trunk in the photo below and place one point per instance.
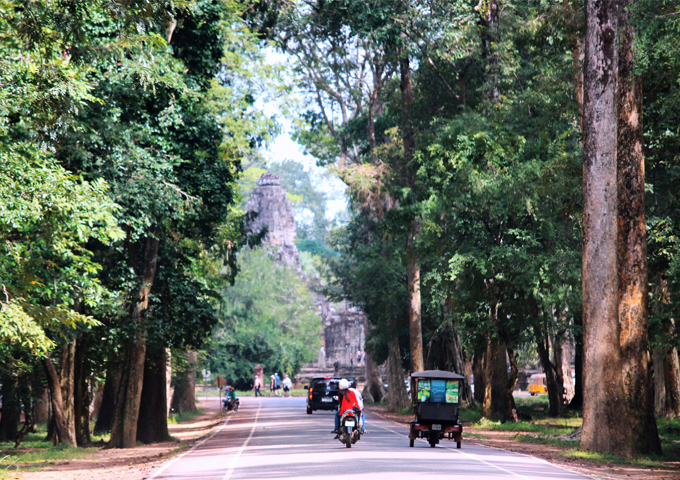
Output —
(28, 419)
(62, 431)
(374, 382)
(81, 394)
(108, 406)
(498, 403)
(577, 402)
(11, 409)
(672, 380)
(128, 398)
(144, 258)
(184, 397)
(67, 380)
(41, 407)
(478, 371)
(412, 262)
(397, 396)
(562, 348)
(453, 359)
(152, 425)
(632, 248)
(554, 393)
(606, 426)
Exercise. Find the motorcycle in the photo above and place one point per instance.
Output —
(229, 404)
(350, 427)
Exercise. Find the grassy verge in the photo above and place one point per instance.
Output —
(34, 449)
(540, 428)
(176, 418)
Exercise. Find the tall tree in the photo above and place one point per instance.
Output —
(605, 420)
(632, 245)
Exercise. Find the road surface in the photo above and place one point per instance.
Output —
(275, 438)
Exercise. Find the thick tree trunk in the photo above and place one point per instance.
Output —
(397, 396)
(563, 347)
(108, 405)
(577, 402)
(554, 392)
(184, 397)
(67, 380)
(498, 402)
(11, 409)
(144, 258)
(374, 382)
(81, 394)
(126, 413)
(61, 430)
(478, 370)
(606, 426)
(152, 425)
(632, 248)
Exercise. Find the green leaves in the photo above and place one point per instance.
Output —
(267, 317)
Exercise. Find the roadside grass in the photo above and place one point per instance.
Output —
(34, 449)
(670, 454)
(176, 418)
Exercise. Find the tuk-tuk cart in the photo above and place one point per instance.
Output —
(436, 399)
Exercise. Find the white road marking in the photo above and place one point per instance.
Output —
(234, 460)
(474, 457)
(171, 462)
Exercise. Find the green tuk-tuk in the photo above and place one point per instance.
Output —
(436, 399)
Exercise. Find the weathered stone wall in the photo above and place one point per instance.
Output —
(275, 213)
(343, 323)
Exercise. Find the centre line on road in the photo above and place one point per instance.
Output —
(234, 461)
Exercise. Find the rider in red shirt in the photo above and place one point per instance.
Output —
(348, 401)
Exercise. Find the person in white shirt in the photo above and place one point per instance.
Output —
(287, 385)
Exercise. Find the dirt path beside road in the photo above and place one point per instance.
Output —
(132, 463)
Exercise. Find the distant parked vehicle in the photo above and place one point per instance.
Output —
(538, 384)
(322, 393)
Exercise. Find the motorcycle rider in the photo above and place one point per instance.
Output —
(353, 388)
(348, 401)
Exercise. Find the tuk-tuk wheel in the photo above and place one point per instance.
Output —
(433, 444)
(410, 442)
(457, 444)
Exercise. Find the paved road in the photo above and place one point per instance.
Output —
(275, 438)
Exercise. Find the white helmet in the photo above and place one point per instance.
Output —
(343, 384)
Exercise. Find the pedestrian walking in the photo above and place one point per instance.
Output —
(257, 385)
(358, 357)
(277, 381)
(287, 385)
(272, 386)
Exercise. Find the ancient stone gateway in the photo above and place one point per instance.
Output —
(344, 323)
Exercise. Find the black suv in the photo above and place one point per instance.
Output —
(323, 393)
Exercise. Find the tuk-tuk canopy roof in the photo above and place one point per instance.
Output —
(437, 374)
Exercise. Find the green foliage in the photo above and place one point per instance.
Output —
(267, 317)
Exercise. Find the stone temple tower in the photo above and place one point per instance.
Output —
(275, 213)
(343, 322)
